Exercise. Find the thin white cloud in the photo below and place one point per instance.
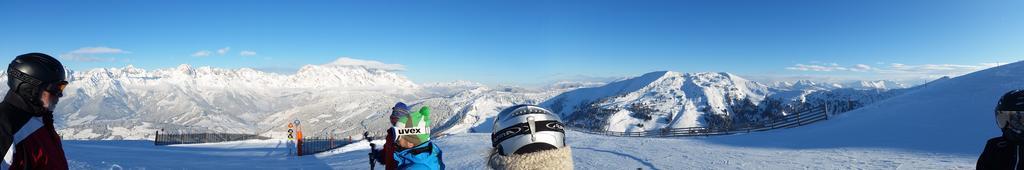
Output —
(98, 50)
(87, 54)
(370, 64)
(81, 58)
(223, 51)
(201, 53)
(861, 68)
(815, 67)
(247, 53)
(895, 71)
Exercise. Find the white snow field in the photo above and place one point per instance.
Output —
(467, 151)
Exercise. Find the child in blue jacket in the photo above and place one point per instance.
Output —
(412, 135)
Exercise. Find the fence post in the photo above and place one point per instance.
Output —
(156, 140)
(299, 141)
(826, 111)
(798, 122)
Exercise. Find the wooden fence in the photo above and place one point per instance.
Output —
(189, 137)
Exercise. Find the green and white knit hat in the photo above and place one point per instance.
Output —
(414, 127)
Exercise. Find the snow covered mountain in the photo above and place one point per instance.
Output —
(344, 97)
(116, 103)
(450, 88)
(949, 116)
(658, 100)
(675, 100)
(805, 85)
(877, 84)
(859, 84)
(574, 84)
(348, 97)
(473, 110)
(793, 96)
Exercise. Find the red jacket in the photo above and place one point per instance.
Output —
(388, 152)
(30, 139)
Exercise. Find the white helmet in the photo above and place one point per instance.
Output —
(524, 129)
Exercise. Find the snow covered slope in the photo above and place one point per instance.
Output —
(676, 100)
(877, 84)
(658, 100)
(946, 116)
(468, 151)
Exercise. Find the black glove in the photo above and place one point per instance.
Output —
(375, 153)
(379, 158)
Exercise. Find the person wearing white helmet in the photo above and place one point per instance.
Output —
(528, 137)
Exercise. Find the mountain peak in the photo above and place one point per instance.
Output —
(658, 99)
(187, 69)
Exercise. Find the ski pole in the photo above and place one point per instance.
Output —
(366, 136)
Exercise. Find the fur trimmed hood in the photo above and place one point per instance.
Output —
(550, 159)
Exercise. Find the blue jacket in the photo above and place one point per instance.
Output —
(426, 156)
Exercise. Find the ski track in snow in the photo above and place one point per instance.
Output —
(468, 151)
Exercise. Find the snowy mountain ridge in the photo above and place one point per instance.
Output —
(657, 100)
(129, 102)
(859, 84)
(668, 99)
(349, 96)
(309, 76)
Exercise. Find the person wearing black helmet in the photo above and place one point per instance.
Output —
(528, 137)
(1004, 152)
(27, 135)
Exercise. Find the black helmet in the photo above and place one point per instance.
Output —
(29, 74)
(1010, 115)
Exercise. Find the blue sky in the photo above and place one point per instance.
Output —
(530, 42)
